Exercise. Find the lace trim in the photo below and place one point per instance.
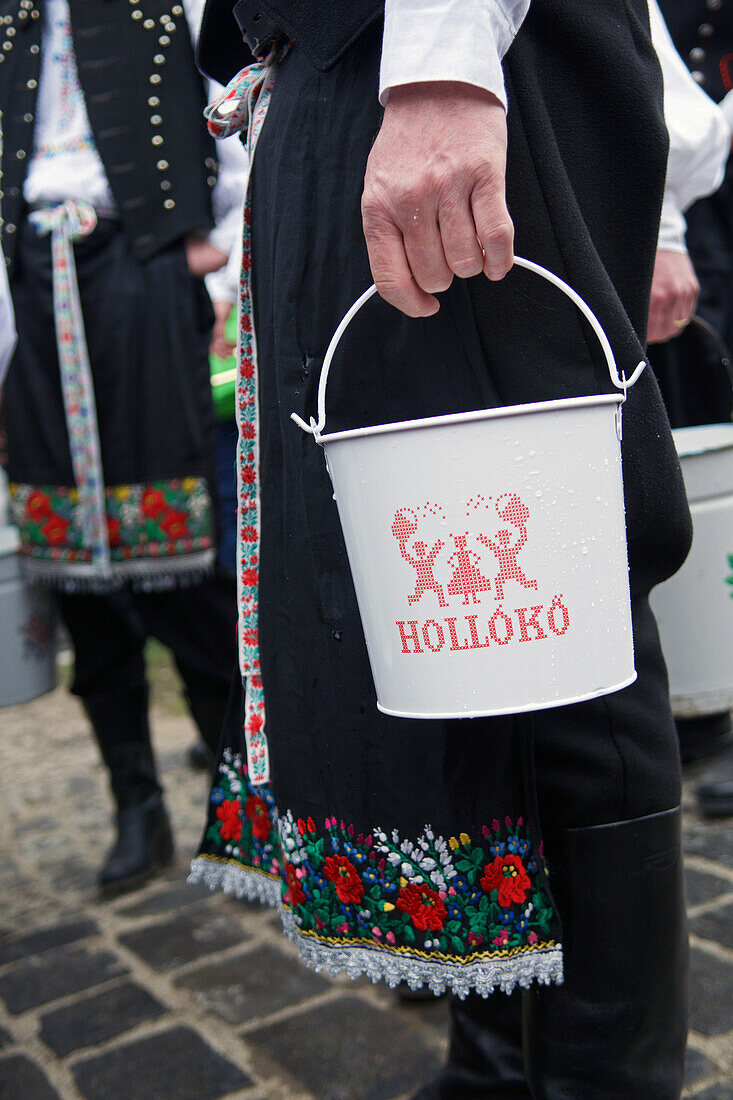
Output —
(232, 878)
(543, 965)
(147, 576)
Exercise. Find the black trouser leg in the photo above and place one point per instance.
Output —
(109, 676)
(199, 625)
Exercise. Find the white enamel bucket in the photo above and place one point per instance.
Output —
(694, 608)
(27, 630)
(488, 549)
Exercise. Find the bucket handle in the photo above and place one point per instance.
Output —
(622, 383)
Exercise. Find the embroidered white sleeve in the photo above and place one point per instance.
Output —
(463, 40)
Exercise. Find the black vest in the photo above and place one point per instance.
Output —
(322, 29)
(144, 99)
(702, 31)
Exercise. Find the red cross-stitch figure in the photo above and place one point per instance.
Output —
(517, 513)
(403, 528)
(466, 580)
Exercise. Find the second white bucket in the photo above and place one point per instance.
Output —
(488, 549)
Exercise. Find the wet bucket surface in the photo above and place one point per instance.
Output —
(694, 608)
(488, 552)
(27, 630)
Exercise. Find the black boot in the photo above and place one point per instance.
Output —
(485, 1056)
(144, 842)
(616, 1030)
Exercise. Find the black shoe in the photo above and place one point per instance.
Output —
(704, 737)
(715, 798)
(144, 845)
(200, 757)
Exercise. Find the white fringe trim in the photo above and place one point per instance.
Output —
(149, 575)
(543, 965)
(231, 878)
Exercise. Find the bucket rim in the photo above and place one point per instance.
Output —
(474, 415)
(497, 712)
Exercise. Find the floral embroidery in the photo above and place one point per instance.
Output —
(243, 822)
(164, 519)
(450, 896)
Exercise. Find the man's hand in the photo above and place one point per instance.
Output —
(434, 195)
(675, 290)
(219, 344)
(202, 258)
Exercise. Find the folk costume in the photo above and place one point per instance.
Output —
(485, 855)
(107, 166)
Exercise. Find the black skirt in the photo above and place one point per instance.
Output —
(147, 329)
(413, 850)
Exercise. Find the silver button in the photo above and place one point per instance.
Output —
(20, 155)
(170, 26)
(164, 40)
(32, 84)
(22, 15)
(158, 59)
(155, 120)
(149, 24)
(153, 101)
(177, 9)
(28, 117)
(211, 180)
(157, 140)
(697, 55)
(155, 78)
(10, 32)
(2, 194)
(169, 204)
(714, 5)
(8, 19)
(165, 185)
(697, 76)
(35, 48)
(705, 30)
(13, 192)
(26, 4)
(35, 14)
(7, 45)
(137, 14)
(162, 165)
(10, 229)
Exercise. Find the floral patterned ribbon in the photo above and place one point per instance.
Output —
(69, 222)
(242, 107)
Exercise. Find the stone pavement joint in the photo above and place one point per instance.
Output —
(171, 993)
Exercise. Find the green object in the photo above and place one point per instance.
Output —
(223, 374)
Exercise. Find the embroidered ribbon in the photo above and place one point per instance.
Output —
(69, 222)
(242, 107)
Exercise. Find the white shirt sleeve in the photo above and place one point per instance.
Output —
(227, 196)
(463, 40)
(699, 138)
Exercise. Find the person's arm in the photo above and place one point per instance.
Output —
(433, 203)
(699, 141)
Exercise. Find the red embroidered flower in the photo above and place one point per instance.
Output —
(175, 524)
(297, 896)
(508, 876)
(113, 531)
(424, 905)
(343, 874)
(249, 533)
(255, 722)
(55, 529)
(248, 475)
(153, 503)
(250, 636)
(250, 576)
(38, 505)
(248, 368)
(229, 815)
(256, 810)
(247, 431)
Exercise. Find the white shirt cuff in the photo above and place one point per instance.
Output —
(672, 226)
(444, 40)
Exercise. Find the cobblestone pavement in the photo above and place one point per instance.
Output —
(174, 994)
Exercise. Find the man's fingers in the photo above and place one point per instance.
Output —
(463, 253)
(390, 268)
(495, 231)
(424, 251)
